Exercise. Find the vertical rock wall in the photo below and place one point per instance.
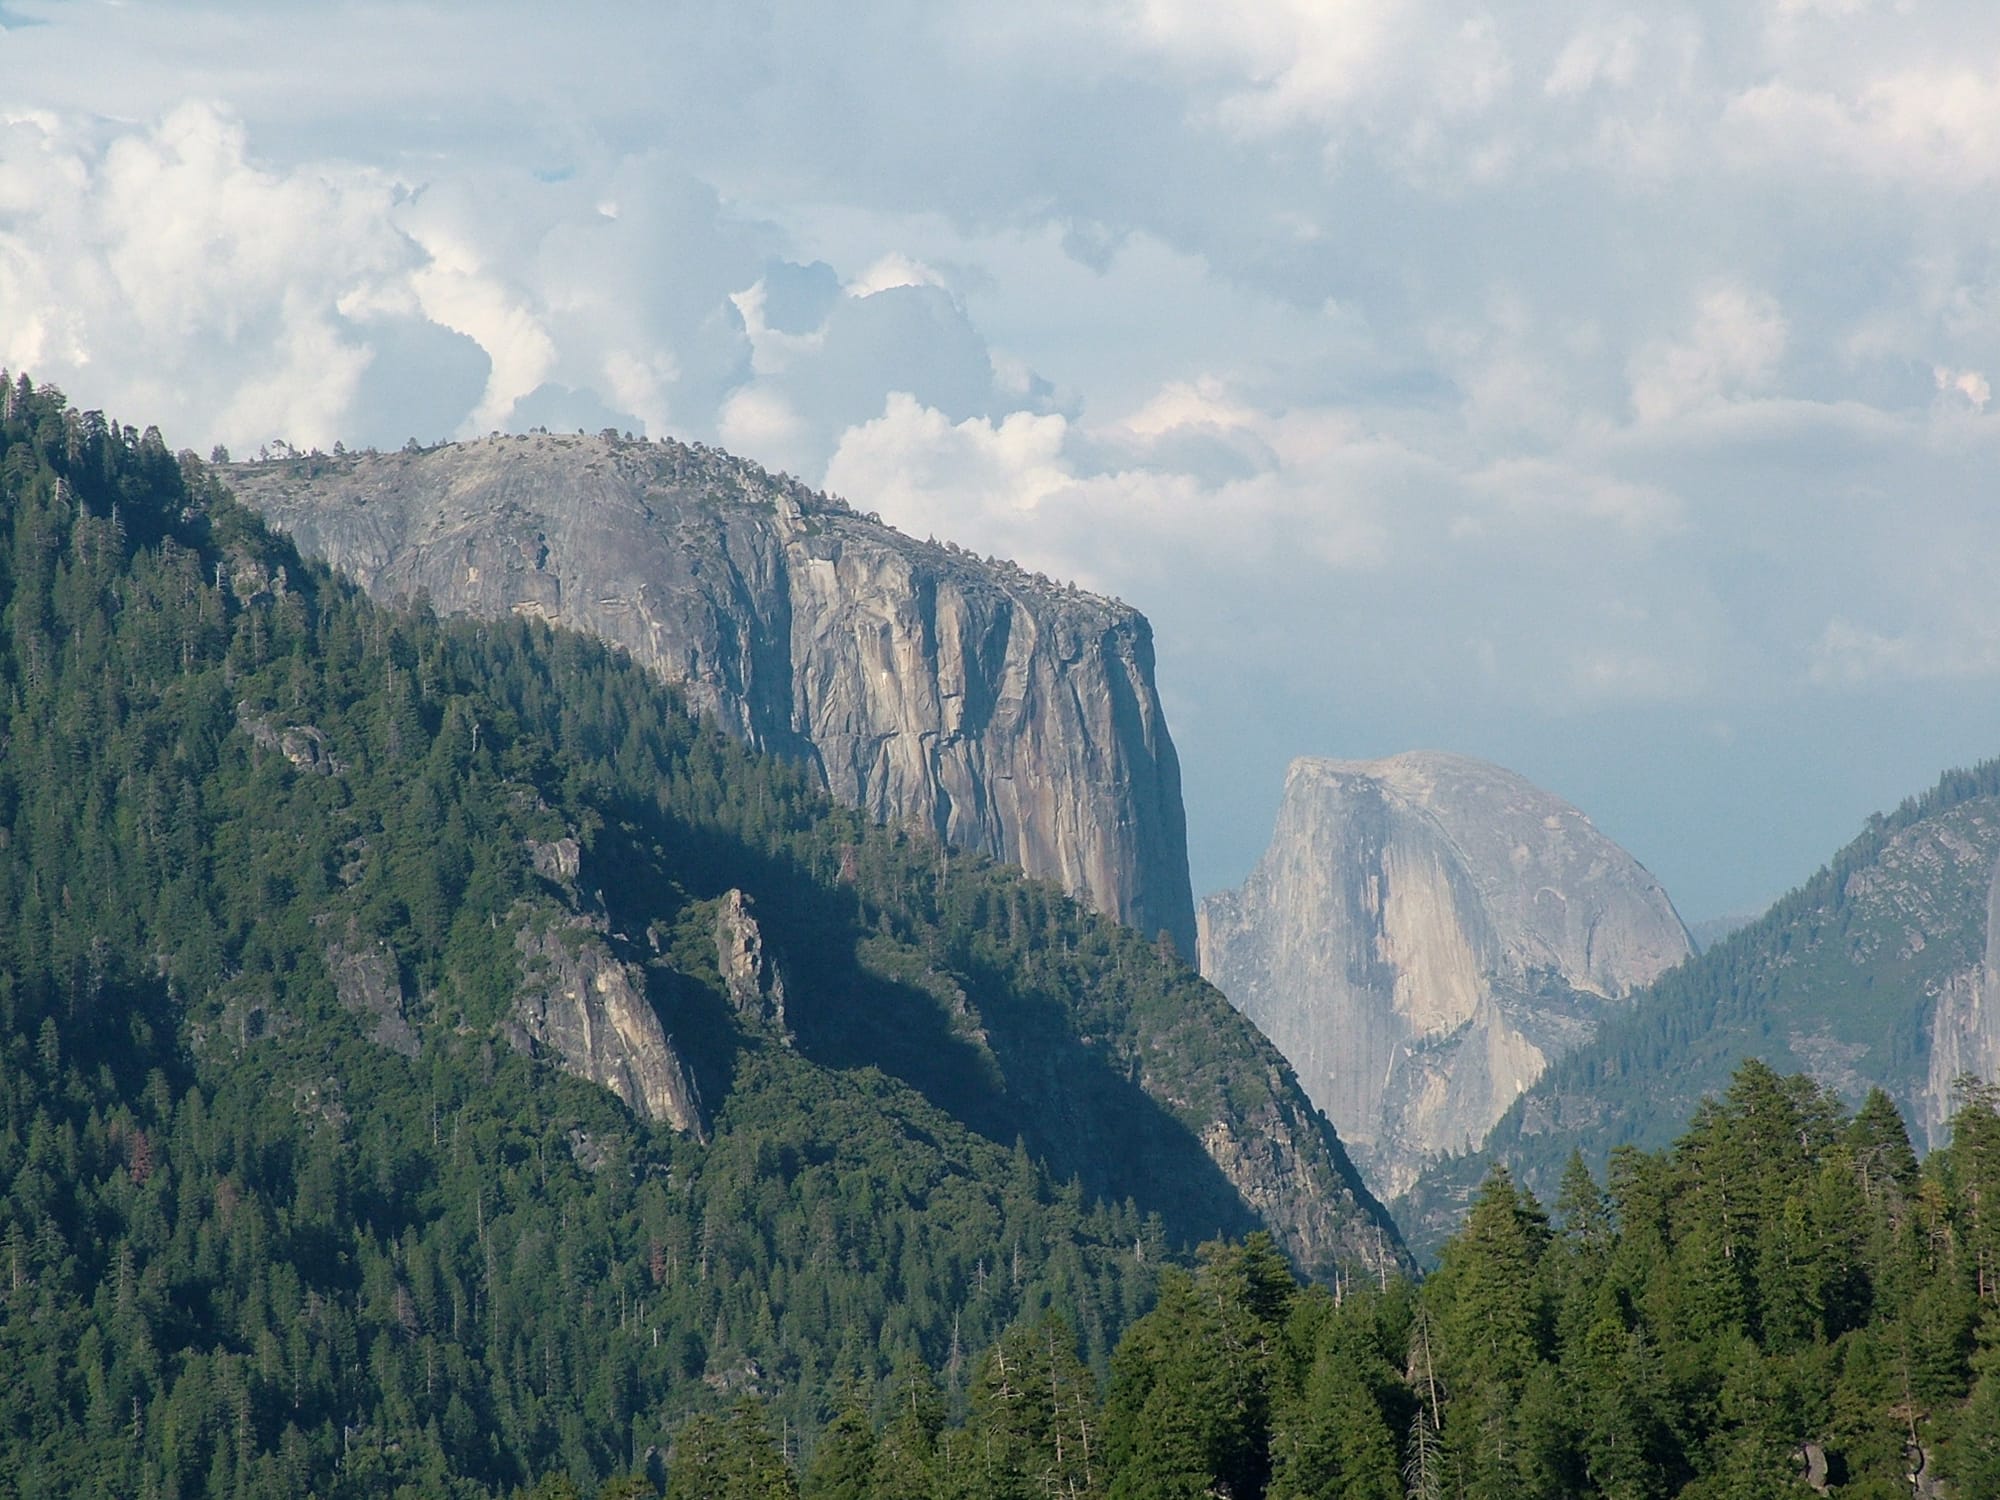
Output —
(1004, 712)
(1422, 936)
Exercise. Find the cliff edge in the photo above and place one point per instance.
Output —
(928, 686)
(1423, 936)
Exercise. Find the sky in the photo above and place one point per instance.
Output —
(1601, 388)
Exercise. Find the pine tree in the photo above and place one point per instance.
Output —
(843, 1462)
(1330, 1433)
(906, 1464)
(1032, 1426)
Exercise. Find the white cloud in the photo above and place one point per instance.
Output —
(457, 292)
(1732, 348)
(893, 270)
(1282, 63)
(1597, 673)
(1127, 507)
(1599, 56)
(1559, 494)
(1970, 386)
(1852, 655)
(758, 420)
(1633, 344)
(164, 271)
(1938, 124)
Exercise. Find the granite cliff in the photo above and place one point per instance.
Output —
(1423, 935)
(924, 685)
(1881, 971)
(1965, 1030)
(590, 1013)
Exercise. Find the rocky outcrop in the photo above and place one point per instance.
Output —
(1965, 1030)
(1291, 1171)
(366, 980)
(579, 1003)
(304, 745)
(924, 685)
(1874, 973)
(556, 860)
(754, 983)
(1422, 936)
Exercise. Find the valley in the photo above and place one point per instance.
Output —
(441, 1061)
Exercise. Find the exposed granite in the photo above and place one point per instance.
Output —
(1964, 1032)
(581, 1004)
(755, 984)
(365, 978)
(1422, 936)
(928, 686)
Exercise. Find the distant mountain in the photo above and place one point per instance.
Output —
(1423, 935)
(919, 683)
(430, 1058)
(1711, 930)
(1880, 971)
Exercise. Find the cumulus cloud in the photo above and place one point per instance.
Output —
(165, 270)
(1493, 378)
(1561, 495)
(1850, 654)
(1599, 56)
(1732, 347)
(1968, 386)
(1278, 64)
(1129, 506)
(1938, 125)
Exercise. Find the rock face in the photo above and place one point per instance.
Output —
(304, 745)
(922, 684)
(755, 984)
(1965, 1030)
(365, 978)
(1423, 935)
(1880, 971)
(579, 1003)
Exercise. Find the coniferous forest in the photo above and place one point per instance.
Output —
(926, 1238)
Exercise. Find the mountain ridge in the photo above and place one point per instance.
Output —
(923, 684)
(314, 1175)
(1848, 978)
(1422, 934)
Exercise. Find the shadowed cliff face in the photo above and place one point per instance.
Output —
(925, 685)
(1423, 935)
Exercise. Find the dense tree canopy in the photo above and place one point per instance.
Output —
(246, 1248)
(935, 1245)
(1782, 1303)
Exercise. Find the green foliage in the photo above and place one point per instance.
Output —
(254, 1241)
(730, 1458)
(1849, 966)
(246, 1248)
(1782, 1298)
(1191, 1390)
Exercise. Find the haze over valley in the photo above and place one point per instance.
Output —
(1119, 751)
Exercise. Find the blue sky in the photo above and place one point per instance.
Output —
(1601, 388)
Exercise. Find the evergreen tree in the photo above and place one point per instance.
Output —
(906, 1463)
(1032, 1425)
(843, 1462)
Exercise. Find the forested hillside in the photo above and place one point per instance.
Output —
(295, 1195)
(1864, 977)
(1781, 1304)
